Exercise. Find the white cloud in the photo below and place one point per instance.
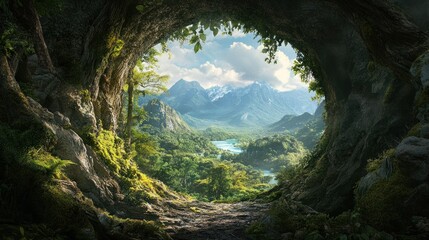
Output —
(237, 64)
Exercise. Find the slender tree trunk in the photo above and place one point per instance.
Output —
(130, 108)
(27, 14)
(13, 104)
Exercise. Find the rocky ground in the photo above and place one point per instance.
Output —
(211, 221)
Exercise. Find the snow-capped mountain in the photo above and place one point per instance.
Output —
(255, 105)
(218, 92)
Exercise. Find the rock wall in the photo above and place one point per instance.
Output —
(363, 51)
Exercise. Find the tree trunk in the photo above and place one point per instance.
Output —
(27, 14)
(14, 105)
(130, 108)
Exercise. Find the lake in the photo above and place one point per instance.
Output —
(228, 145)
(231, 145)
(273, 180)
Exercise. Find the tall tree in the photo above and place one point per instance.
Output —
(26, 13)
(220, 181)
(143, 80)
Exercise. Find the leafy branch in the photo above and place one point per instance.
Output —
(195, 34)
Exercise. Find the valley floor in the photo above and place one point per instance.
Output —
(211, 221)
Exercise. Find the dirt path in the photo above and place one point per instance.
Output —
(211, 221)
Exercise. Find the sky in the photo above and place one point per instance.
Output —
(229, 60)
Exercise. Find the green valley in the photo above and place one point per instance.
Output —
(214, 120)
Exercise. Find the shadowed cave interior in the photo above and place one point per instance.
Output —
(67, 171)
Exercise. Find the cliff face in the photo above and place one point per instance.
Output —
(162, 117)
(364, 51)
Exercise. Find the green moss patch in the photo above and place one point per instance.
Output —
(382, 205)
(137, 185)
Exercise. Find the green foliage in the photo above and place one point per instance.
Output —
(12, 40)
(188, 142)
(206, 178)
(374, 164)
(308, 69)
(187, 163)
(117, 47)
(195, 34)
(415, 130)
(143, 80)
(138, 186)
(115, 44)
(28, 192)
(217, 134)
(111, 148)
(218, 181)
(43, 161)
(371, 66)
(276, 152)
(85, 94)
(145, 77)
(311, 133)
(288, 216)
(256, 228)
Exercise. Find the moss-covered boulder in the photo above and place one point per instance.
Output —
(413, 158)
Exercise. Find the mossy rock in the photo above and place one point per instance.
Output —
(422, 99)
(374, 164)
(383, 204)
(415, 130)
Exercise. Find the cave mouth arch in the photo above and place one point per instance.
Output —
(234, 114)
(356, 71)
(363, 50)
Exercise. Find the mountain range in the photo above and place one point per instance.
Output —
(256, 105)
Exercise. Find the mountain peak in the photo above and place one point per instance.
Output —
(163, 117)
(185, 83)
(257, 104)
(262, 84)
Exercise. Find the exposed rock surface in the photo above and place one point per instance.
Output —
(385, 171)
(368, 86)
(363, 64)
(420, 69)
(208, 221)
(90, 173)
(164, 118)
(413, 158)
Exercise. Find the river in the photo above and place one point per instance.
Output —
(231, 145)
(228, 145)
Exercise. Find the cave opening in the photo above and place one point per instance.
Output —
(69, 168)
(261, 116)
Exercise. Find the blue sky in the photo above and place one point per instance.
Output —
(229, 60)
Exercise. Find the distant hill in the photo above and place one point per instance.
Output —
(311, 132)
(256, 105)
(164, 118)
(274, 152)
(186, 97)
(290, 123)
(306, 128)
